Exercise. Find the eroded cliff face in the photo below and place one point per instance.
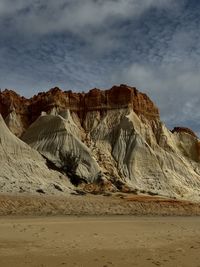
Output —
(27, 111)
(113, 139)
(24, 170)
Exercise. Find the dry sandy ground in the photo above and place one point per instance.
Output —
(100, 241)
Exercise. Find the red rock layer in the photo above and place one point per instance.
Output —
(10, 101)
(117, 97)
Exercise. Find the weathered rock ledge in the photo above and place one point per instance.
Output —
(117, 97)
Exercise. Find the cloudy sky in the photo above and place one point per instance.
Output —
(80, 44)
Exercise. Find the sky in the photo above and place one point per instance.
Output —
(77, 45)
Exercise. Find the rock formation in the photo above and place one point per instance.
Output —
(111, 139)
(58, 139)
(28, 110)
(183, 130)
(23, 169)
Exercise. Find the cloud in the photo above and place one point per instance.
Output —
(166, 66)
(174, 88)
(7, 7)
(152, 44)
(44, 17)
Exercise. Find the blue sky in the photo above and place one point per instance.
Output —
(81, 44)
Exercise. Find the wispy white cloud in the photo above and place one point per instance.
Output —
(149, 44)
(80, 18)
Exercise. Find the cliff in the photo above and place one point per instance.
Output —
(123, 96)
(103, 140)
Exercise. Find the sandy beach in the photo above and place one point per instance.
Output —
(98, 231)
(100, 241)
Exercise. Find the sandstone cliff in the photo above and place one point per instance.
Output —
(107, 140)
(26, 111)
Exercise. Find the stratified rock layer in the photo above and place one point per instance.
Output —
(28, 110)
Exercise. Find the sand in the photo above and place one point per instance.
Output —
(104, 241)
(98, 231)
(116, 204)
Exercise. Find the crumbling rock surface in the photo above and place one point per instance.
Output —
(107, 140)
(24, 170)
(28, 110)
